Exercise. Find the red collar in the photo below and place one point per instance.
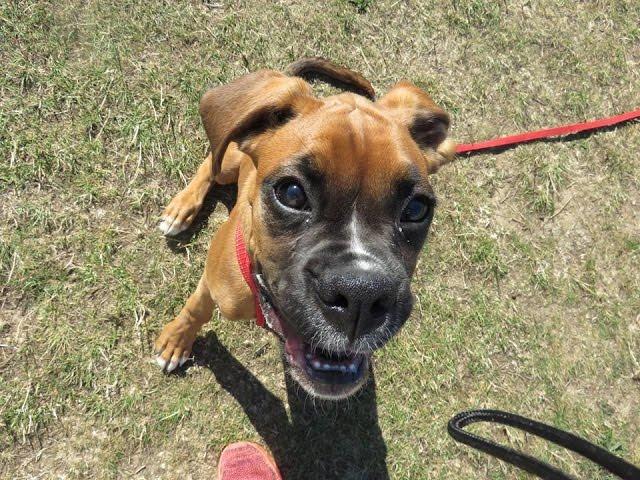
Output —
(244, 262)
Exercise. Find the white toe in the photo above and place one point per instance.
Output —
(183, 360)
(161, 362)
(165, 225)
(172, 366)
(176, 227)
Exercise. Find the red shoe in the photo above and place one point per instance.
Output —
(247, 461)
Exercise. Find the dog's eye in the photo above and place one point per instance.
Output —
(291, 194)
(416, 210)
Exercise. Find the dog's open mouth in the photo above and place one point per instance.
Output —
(321, 372)
(327, 367)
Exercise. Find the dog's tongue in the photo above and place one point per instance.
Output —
(293, 344)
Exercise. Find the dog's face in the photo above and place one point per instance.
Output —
(340, 210)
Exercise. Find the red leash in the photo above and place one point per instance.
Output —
(547, 133)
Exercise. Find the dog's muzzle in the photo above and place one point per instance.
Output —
(350, 310)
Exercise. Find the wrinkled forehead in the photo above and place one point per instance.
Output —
(359, 151)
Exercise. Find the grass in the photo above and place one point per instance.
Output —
(528, 290)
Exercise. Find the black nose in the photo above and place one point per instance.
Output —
(356, 301)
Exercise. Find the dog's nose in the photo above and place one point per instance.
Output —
(356, 301)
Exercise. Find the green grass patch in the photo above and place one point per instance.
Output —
(527, 293)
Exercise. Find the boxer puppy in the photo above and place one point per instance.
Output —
(334, 204)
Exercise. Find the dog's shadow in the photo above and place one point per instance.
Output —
(318, 439)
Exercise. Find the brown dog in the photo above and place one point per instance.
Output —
(334, 204)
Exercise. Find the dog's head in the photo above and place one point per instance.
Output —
(340, 208)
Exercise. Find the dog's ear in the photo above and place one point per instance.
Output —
(249, 106)
(427, 123)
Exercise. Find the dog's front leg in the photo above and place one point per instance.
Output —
(183, 208)
(173, 346)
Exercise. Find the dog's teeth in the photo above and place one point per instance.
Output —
(343, 368)
(352, 368)
(326, 366)
(316, 364)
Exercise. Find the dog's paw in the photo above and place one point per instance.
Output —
(173, 347)
(180, 212)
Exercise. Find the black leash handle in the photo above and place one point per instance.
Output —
(596, 454)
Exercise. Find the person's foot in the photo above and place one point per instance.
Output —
(247, 461)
